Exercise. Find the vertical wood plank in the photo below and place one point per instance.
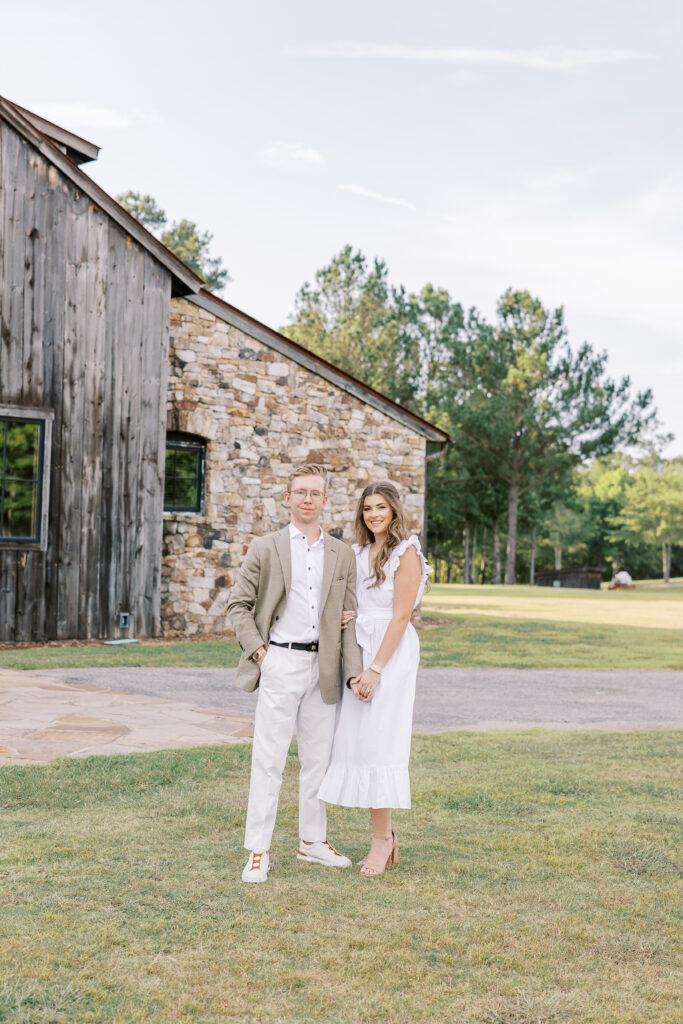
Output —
(4, 131)
(14, 169)
(110, 522)
(57, 202)
(7, 595)
(73, 427)
(12, 335)
(149, 526)
(92, 385)
(30, 599)
(129, 446)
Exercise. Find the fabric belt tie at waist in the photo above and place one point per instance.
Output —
(296, 646)
(366, 622)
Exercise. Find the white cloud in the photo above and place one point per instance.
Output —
(82, 116)
(366, 193)
(293, 156)
(547, 59)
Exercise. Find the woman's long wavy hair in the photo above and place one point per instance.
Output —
(396, 532)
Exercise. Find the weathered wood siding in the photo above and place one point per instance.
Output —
(84, 315)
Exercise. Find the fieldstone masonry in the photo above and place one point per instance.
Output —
(260, 413)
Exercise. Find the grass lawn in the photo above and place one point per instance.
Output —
(651, 609)
(496, 627)
(534, 627)
(537, 885)
(195, 654)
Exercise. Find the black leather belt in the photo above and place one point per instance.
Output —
(297, 647)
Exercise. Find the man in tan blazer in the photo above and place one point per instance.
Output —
(286, 609)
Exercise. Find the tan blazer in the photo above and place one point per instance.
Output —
(258, 599)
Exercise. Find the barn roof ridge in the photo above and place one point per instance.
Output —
(78, 149)
(311, 361)
(184, 280)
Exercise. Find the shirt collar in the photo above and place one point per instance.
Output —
(293, 533)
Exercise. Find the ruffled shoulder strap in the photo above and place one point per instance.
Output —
(395, 559)
(356, 548)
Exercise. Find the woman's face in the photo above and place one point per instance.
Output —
(377, 513)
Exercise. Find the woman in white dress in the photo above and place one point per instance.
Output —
(369, 763)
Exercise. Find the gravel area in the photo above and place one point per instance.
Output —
(451, 698)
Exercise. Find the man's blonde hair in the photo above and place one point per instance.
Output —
(307, 469)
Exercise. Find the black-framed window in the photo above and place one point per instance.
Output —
(24, 471)
(185, 467)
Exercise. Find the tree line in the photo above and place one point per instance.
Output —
(535, 424)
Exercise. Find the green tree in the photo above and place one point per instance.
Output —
(653, 509)
(537, 408)
(184, 238)
(144, 208)
(352, 317)
(602, 492)
(192, 246)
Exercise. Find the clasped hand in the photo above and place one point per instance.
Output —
(365, 684)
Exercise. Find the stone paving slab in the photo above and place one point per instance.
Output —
(43, 717)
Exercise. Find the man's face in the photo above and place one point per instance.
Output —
(306, 499)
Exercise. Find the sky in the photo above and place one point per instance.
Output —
(476, 146)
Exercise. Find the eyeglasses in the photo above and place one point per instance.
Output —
(316, 495)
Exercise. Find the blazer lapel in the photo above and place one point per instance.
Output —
(330, 561)
(284, 549)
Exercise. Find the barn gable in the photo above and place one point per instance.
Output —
(84, 314)
(252, 403)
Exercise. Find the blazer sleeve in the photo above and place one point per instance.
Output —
(242, 602)
(351, 653)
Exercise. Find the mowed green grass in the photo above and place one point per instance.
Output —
(152, 653)
(533, 627)
(538, 882)
(646, 608)
(489, 627)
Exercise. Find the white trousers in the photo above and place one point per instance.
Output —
(289, 696)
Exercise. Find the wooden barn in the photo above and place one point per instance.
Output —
(146, 427)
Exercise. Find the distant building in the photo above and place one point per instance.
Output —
(147, 427)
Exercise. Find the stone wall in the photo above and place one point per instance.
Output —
(259, 413)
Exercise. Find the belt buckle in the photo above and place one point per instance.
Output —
(314, 646)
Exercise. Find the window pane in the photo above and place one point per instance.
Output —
(183, 484)
(22, 452)
(186, 463)
(186, 492)
(169, 486)
(19, 509)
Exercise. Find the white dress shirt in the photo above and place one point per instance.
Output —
(300, 621)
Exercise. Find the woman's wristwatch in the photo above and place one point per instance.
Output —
(376, 668)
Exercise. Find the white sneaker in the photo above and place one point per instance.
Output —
(322, 853)
(257, 867)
